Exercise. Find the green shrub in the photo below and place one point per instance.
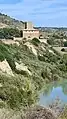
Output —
(5, 53)
(65, 44)
(2, 57)
(9, 33)
(11, 63)
(50, 41)
(63, 50)
(35, 41)
(41, 58)
(22, 72)
(2, 104)
(62, 67)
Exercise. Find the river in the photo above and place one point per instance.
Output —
(53, 91)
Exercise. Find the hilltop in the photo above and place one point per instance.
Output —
(8, 22)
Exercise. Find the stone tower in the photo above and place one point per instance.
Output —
(28, 25)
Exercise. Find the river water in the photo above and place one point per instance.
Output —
(53, 91)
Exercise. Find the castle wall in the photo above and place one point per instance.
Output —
(29, 31)
(30, 34)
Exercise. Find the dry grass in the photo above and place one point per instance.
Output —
(64, 114)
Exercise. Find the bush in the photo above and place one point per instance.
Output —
(5, 53)
(63, 50)
(41, 58)
(9, 33)
(2, 57)
(11, 63)
(51, 41)
(35, 41)
(25, 73)
(2, 104)
(65, 44)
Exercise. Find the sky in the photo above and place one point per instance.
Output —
(45, 13)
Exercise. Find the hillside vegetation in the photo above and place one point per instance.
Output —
(22, 89)
(8, 22)
(33, 64)
(9, 33)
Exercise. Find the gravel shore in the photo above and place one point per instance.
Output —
(39, 113)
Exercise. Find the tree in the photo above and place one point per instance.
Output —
(65, 44)
(9, 33)
(35, 41)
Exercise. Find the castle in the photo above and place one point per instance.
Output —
(29, 32)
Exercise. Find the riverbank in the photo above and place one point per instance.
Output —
(39, 113)
(33, 112)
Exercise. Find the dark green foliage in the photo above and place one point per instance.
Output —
(41, 58)
(65, 44)
(62, 67)
(65, 59)
(35, 41)
(2, 57)
(63, 50)
(58, 36)
(51, 74)
(48, 57)
(9, 33)
(11, 63)
(22, 72)
(5, 53)
(50, 41)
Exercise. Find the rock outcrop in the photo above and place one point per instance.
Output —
(5, 68)
(22, 68)
(31, 47)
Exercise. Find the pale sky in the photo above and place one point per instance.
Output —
(40, 12)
